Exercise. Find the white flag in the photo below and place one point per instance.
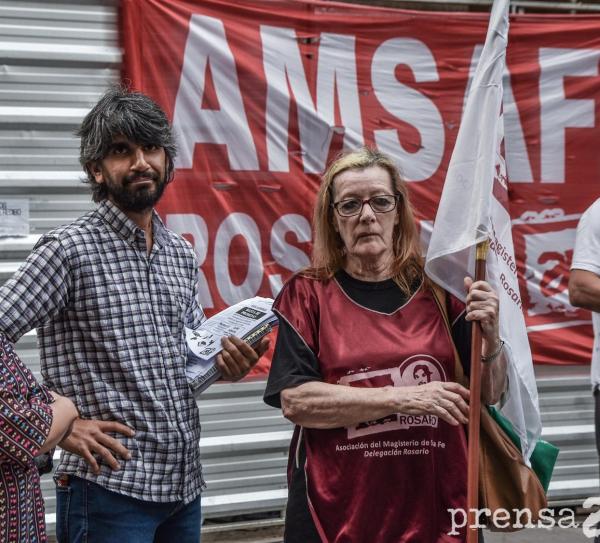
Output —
(473, 208)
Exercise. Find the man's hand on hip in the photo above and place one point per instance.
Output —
(90, 437)
(237, 357)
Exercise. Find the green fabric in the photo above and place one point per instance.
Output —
(544, 455)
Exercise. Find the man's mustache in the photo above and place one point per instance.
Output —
(141, 175)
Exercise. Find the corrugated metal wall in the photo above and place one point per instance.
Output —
(56, 58)
(567, 409)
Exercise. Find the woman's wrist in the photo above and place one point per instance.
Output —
(492, 351)
(406, 396)
(398, 398)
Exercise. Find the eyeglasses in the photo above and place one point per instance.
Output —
(383, 203)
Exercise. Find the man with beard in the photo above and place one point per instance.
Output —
(584, 291)
(110, 295)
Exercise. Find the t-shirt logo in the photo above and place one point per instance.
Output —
(420, 370)
(416, 370)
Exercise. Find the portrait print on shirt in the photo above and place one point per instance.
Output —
(416, 370)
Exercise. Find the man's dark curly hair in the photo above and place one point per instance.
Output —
(135, 116)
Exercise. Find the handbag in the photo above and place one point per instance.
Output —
(513, 492)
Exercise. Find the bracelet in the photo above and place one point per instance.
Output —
(494, 355)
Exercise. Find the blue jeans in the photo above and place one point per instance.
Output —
(89, 513)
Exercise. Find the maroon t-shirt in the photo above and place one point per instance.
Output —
(392, 479)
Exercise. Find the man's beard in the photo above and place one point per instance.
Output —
(136, 200)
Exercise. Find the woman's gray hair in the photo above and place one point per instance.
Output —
(135, 116)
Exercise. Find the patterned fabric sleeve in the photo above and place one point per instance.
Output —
(25, 412)
(37, 291)
(195, 315)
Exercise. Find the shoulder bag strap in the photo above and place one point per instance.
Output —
(439, 294)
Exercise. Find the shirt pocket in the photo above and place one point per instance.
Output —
(103, 302)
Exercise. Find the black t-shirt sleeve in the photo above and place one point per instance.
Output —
(293, 363)
(461, 334)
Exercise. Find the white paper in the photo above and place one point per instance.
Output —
(14, 217)
(204, 344)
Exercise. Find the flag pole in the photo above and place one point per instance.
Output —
(475, 407)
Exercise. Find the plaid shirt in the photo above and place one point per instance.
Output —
(110, 320)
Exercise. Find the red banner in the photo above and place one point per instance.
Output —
(263, 93)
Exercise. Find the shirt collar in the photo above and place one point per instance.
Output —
(127, 228)
(159, 230)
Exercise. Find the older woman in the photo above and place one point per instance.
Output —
(365, 367)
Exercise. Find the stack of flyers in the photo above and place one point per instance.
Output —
(249, 320)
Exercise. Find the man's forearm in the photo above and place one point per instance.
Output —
(584, 290)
